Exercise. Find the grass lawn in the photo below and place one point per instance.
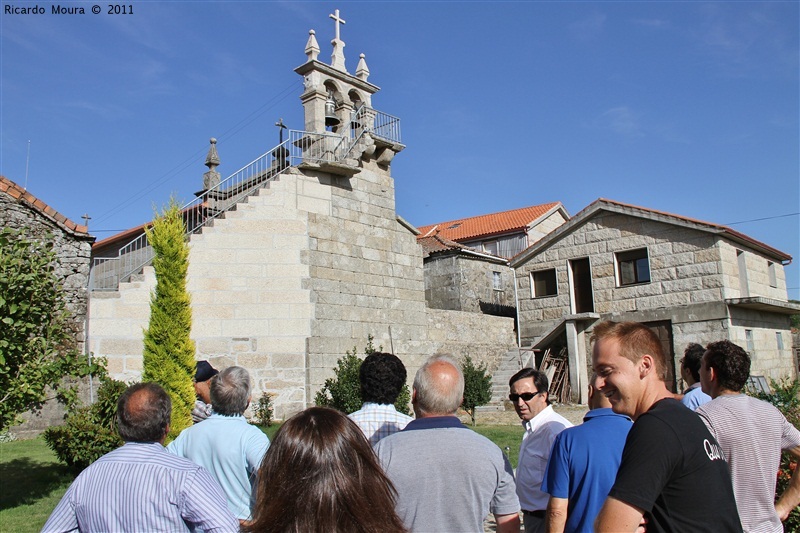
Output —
(32, 481)
(504, 436)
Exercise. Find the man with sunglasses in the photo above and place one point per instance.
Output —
(542, 424)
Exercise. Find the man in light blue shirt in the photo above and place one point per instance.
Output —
(139, 486)
(693, 396)
(225, 444)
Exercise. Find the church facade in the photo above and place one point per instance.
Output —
(299, 260)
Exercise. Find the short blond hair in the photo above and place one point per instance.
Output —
(635, 340)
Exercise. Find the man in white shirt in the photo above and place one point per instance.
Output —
(531, 400)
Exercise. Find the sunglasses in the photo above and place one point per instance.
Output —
(526, 396)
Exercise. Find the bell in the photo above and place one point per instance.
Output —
(330, 112)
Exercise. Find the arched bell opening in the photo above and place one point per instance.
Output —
(357, 119)
(332, 104)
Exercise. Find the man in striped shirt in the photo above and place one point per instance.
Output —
(382, 376)
(752, 434)
(139, 486)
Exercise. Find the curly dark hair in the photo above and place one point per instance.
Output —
(382, 377)
(730, 362)
(691, 359)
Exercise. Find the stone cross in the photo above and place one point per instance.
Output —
(337, 19)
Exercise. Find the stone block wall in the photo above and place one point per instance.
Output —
(758, 279)
(544, 227)
(766, 357)
(73, 251)
(460, 283)
(485, 338)
(366, 276)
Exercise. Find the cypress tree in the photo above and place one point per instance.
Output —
(168, 348)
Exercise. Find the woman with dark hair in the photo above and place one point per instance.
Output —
(320, 474)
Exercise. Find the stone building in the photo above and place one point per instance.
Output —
(503, 234)
(462, 279)
(690, 280)
(296, 258)
(72, 244)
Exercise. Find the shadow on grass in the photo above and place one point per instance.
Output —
(26, 481)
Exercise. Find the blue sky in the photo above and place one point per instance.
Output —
(686, 107)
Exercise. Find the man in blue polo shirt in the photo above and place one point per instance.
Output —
(583, 465)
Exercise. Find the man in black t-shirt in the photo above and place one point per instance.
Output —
(673, 475)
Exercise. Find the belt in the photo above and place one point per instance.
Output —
(536, 514)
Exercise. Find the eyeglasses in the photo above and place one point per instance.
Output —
(526, 396)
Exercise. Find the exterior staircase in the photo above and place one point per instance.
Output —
(334, 153)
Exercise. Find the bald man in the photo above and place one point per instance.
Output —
(448, 478)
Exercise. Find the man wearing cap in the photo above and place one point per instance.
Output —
(202, 387)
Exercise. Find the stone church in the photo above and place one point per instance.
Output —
(297, 258)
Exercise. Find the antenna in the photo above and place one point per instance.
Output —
(27, 160)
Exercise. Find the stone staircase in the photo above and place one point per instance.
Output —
(507, 368)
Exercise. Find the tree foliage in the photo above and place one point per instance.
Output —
(477, 386)
(35, 346)
(343, 391)
(168, 349)
(264, 411)
(89, 432)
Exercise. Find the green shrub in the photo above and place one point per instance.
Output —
(477, 386)
(168, 357)
(88, 432)
(37, 341)
(786, 397)
(343, 391)
(264, 410)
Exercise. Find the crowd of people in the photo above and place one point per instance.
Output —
(644, 459)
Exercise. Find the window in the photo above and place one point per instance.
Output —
(741, 261)
(490, 247)
(748, 337)
(543, 283)
(773, 277)
(633, 267)
(497, 281)
(779, 339)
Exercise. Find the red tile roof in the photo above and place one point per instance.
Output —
(511, 221)
(22, 196)
(434, 244)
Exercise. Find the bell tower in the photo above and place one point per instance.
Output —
(331, 94)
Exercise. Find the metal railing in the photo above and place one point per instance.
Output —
(301, 146)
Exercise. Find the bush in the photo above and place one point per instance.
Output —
(264, 410)
(37, 345)
(343, 391)
(477, 386)
(89, 432)
(786, 397)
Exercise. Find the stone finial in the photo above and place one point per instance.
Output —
(362, 71)
(337, 58)
(211, 178)
(312, 48)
